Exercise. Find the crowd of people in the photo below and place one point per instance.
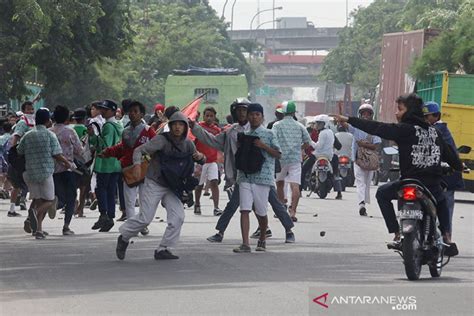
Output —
(120, 155)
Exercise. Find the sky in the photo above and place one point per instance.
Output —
(323, 13)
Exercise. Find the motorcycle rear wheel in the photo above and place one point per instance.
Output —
(412, 254)
(323, 189)
(435, 270)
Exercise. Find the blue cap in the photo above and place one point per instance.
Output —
(108, 104)
(255, 107)
(42, 116)
(430, 107)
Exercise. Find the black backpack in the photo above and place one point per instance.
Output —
(177, 170)
(249, 159)
(16, 160)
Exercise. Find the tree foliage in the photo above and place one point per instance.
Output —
(357, 58)
(173, 35)
(92, 49)
(59, 38)
(453, 50)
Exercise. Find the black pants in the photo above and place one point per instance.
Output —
(65, 188)
(307, 166)
(388, 192)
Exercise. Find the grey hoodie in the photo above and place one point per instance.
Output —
(225, 142)
(160, 144)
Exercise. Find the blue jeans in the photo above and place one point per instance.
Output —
(233, 205)
(106, 191)
(65, 188)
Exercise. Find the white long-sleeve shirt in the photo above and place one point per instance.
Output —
(324, 147)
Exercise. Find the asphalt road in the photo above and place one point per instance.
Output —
(80, 275)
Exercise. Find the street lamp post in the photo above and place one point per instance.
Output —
(232, 16)
(261, 11)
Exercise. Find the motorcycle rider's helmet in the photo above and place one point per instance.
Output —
(365, 107)
(322, 118)
(239, 102)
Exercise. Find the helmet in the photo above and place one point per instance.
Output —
(243, 102)
(365, 107)
(322, 118)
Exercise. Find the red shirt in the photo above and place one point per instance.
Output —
(314, 137)
(209, 152)
(124, 153)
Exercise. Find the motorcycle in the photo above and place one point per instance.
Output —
(389, 161)
(346, 172)
(321, 179)
(421, 240)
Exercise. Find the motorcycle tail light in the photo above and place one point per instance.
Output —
(322, 162)
(409, 193)
(343, 160)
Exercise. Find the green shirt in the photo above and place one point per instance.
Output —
(39, 146)
(21, 128)
(81, 130)
(110, 135)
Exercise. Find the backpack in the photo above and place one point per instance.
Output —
(177, 169)
(249, 158)
(16, 160)
(367, 159)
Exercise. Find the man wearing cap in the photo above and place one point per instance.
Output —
(291, 136)
(455, 182)
(254, 188)
(107, 169)
(158, 116)
(41, 148)
(227, 143)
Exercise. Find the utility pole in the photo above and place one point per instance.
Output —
(347, 12)
(273, 7)
(258, 10)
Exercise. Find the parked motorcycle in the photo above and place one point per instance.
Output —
(421, 240)
(321, 179)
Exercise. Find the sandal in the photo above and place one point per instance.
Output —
(294, 219)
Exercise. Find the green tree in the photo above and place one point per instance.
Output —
(453, 50)
(173, 35)
(59, 38)
(357, 58)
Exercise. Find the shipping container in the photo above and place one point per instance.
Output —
(455, 94)
(313, 108)
(398, 52)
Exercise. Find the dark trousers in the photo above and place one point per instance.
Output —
(106, 191)
(234, 204)
(388, 192)
(307, 166)
(120, 192)
(65, 188)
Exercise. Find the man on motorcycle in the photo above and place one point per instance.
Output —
(454, 182)
(324, 147)
(421, 150)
